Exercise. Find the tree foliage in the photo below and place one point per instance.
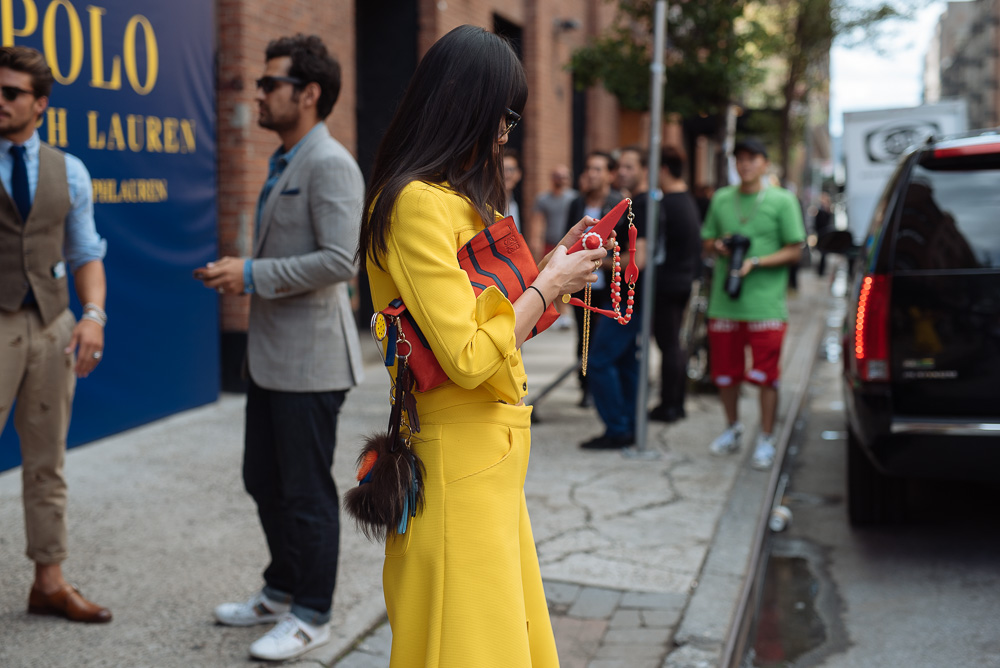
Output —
(718, 49)
(801, 35)
(620, 63)
(705, 60)
(860, 21)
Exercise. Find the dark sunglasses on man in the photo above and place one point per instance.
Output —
(269, 83)
(11, 93)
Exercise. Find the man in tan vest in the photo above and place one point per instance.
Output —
(46, 223)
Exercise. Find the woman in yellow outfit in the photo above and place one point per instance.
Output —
(462, 584)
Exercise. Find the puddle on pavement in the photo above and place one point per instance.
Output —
(788, 624)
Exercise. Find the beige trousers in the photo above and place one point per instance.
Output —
(36, 372)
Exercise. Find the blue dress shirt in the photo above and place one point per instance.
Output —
(275, 167)
(82, 243)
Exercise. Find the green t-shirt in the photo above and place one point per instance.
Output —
(771, 219)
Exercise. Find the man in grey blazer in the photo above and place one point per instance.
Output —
(303, 352)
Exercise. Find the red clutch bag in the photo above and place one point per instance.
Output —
(497, 256)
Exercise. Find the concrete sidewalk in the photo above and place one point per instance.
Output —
(642, 558)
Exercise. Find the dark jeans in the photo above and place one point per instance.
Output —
(613, 370)
(287, 464)
(821, 268)
(667, 317)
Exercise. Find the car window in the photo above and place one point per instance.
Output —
(873, 240)
(948, 218)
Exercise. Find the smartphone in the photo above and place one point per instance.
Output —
(605, 225)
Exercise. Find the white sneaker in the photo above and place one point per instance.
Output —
(258, 609)
(763, 454)
(289, 638)
(728, 441)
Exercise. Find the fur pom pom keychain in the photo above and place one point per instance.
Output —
(390, 474)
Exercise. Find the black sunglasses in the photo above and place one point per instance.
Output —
(510, 121)
(11, 93)
(269, 83)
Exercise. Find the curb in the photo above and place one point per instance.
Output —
(715, 624)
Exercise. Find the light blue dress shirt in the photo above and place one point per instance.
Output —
(275, 167)
(82, 243)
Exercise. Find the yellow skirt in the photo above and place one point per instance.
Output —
(462, 585)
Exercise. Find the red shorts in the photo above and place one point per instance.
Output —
(727, 342)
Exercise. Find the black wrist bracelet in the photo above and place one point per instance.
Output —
(545, 304)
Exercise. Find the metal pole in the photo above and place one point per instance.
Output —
(657, 80)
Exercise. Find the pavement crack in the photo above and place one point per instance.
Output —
(588, 515)
(563, 534)
(638, 509)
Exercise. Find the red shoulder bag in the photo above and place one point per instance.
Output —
(497, 256)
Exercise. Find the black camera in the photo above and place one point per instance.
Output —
(738, 246)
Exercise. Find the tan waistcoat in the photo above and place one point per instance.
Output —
(31, 253)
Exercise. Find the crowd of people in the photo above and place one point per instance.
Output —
(687, 232)
(459, 589)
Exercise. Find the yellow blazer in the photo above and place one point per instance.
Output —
(472, 337)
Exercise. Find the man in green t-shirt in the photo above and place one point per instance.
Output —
(770, 217)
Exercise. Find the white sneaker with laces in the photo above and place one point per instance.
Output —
(289, 638)
(728, 441)
(258, 609)
(763, 454)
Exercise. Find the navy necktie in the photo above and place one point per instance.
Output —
(19, 182)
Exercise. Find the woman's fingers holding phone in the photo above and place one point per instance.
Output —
(572, 271)
(576, 232)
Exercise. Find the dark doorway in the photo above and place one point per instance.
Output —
(386, 59)
(513, 32)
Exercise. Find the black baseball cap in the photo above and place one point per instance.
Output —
(750, 145)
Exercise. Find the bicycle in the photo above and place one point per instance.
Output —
(694, 328)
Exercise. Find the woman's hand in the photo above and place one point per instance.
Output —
(560, 273)
(576, 233)
(565, 273)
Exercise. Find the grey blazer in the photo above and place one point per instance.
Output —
(302, 335)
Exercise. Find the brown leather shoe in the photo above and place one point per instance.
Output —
(69, 603)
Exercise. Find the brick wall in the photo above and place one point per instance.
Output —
(548, 123)
(244, 29)
(547, 45)
(602, 108)
(246, 26)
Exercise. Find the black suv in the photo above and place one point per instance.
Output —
(922, 337)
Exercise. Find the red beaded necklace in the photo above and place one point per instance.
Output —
(592, 240)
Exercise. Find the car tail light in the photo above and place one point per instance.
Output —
(871, 329)
(961, 151)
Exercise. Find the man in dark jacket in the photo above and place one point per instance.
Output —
(677, 256)
(614, 354)
(596, 198)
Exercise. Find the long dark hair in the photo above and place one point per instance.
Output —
(445, 129)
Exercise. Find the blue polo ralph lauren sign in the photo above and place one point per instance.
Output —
(134, 99)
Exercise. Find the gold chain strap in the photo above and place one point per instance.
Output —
(586, 329)
(587, 299)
